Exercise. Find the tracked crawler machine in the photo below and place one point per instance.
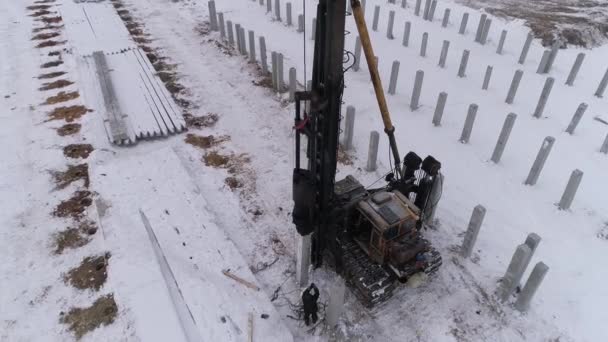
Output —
(372, 236)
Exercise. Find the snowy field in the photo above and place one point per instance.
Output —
(219, 196)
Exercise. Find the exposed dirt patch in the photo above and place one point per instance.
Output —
(215, 159)
(47, 27)
(49, 43)
(44, 1)
(51, 75)
(40, 13)
(205, 141)
(72, 174)
(263, 81)
(61, 97)
(233, 183)
(50, 20)
(68, 114)
(74, 206)
(208, 120)
(91, 274)
(141, 40)
(68, 129)
(55, 85)
(51, 64)
(343, 156)
(55, 53)
(70, 238)
(203, 29)
(38, 7)
(78, 151)
(235, 163)
(83, 320)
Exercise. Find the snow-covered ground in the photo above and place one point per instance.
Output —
(456, 305)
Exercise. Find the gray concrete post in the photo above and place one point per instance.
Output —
(336, 303)
(439, 108)
(486, 31)
(432, 10)
(514, 85)
(602, 87)
(406, 33)
(314, 29)
(580, 111)
(403, 3)
(275, 70)
(604, 148)
(212, 16)
(501, 42)
(220, 17)
(237, 32)
(542, 66)
(292, 84)
(263, 56)
(261, 2)
(463, 63)
(303, 244)
(243, 41)
(575, 68)
(414, 104)
(571, 188)
(552, 55)
(446, 18)
(526, 48)
(349, 128)
(540, 160)
(468, 124)
(425, 40)
(251, 46)
(470, 237)
(280, 79)
(503, 138)
(544, 96)
(376, 17)
(392, 87)
(277, 9)
(480, 26)
(357, 54)
(391, 22)
(463, 23)
(487, 77)
(527, 293)
(532, 241)
(269, 6)
(372, 154)
(427, 9)
(417, 8)
(230, 33)
(444, 53)
(288, 14)
(515, 271)
(300, 23)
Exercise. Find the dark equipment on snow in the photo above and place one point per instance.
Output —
(310, 296)
(371, 236)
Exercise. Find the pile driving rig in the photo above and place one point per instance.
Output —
(371, 236)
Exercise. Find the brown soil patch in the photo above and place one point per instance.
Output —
(55, 85)
(72, 174)
(68, 114)
(68, 129)
(47, 27)
(61, 97)
(74, 206)
(265, 81)
(137, 32)
(50, 20)
(51, 64)
(141, 40)
(234, 162)
(51, 75)
(78, 151)
(215, 159)
(90, 274)
(233, 183)
(83, 320)
(44, 1)
(40, 13)
(38, 7)
(170, 81)
(343, 157)
(49, 43)
(70, 238)
(55, 53)
(208, 120)
(205, 141)
(44, 36)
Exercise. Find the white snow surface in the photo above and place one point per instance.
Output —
(456, 305)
